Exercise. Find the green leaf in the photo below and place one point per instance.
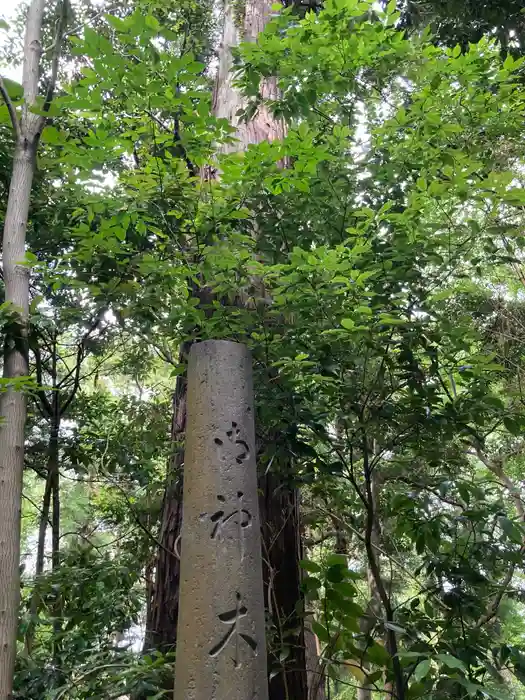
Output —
(335, 574)
(284, 653)
(310, 566)
(512, 425)
(511, 529)
(243, 213)
(321, 632)
(152, 23)
(377, 654)
(452, 662)
(337, 560)
(14, 89)
(395, 628)
(421, 670)
(348, 323)
(303, 130)
(357, 672)
(346, 589)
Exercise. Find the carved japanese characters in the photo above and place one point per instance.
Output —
(221, 652)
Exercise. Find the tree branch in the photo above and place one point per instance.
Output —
(35, 506)
(76, 380)
(30, 122)
(494, 606)
(373, 563)
(57, 50)
(40, 391)
(11, 109)
(496, 467)
(81, 356)
(78, 27)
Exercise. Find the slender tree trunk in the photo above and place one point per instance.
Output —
(52, 470)
(54, 466)
(13, 404)
(55, 522)
(39, 566)
(54, 462)
(379, 593)
(13, 411)
(374, 615)
(42, 528)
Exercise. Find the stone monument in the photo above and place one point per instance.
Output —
(221, 650)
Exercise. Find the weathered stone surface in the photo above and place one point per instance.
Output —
(221, 651)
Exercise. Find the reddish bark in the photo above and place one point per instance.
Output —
(279, 503)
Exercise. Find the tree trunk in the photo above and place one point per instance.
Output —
(42, 528)
(315, 676)
(226, 99)
(55, 529)
(52, 471)
(55, 522)
(13, 404)
(279, 507)
(379, 608)
(13, 411)
(372, 618)
(279, 504)
(163, 610)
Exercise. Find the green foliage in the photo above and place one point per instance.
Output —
(375, 279)
(462, 23)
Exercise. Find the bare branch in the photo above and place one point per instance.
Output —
(494, 606)
(75, 30)
(373, 563)
(57, 50)
(496, 467)
(76, 380)
(35, 506)
(11, 109)
(82, 353)
(46, 406)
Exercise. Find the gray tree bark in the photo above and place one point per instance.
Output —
(221, 639)
(13, 407)
(27, 128)
(226, 99)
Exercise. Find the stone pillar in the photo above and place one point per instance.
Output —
(221, 650)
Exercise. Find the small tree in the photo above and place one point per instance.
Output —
(27, 129)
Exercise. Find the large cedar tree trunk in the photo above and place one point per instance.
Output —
(279, 504)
